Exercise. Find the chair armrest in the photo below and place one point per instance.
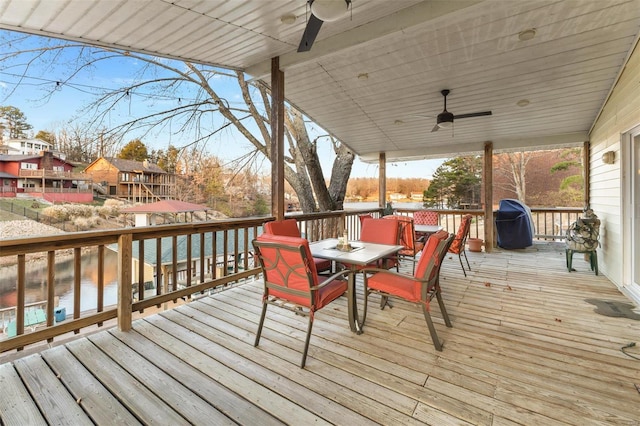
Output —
(387, 271)
(331, 278)
(397, 274)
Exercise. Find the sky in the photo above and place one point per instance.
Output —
(50, 103)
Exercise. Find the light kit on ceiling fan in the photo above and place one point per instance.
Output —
(321, 11)
(329, 10)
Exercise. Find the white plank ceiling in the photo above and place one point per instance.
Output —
(409, 51)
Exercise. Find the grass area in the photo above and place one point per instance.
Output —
(29, 203)
(6, 216)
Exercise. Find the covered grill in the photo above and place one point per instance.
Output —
(514, 225)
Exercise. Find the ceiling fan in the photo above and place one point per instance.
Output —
(321, 11)
(445, 118)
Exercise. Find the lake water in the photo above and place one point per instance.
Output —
(374, 205)
(36, 277)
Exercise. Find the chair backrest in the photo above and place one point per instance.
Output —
(287, 267)
(379, 231)
(286, 227)
(406, 234)
(583, 234)
(364, 217)
(425, 217)
(461, 236)
(433, 254)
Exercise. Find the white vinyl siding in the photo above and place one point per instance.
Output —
(620, 114)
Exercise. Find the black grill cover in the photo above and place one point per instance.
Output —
(514, 225)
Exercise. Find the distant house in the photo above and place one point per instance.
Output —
(44, 175)
(417, 196)
(8, 150)
(397, 196)
(27, 146)
(136, 181)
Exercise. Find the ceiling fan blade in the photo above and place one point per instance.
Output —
(435, 128)
(473, 114)
(310, 33)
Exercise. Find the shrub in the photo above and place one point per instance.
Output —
(111, 208)
(84, 223)
(59, 213)
(79, 210)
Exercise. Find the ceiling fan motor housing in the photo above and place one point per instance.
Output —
(445, 117)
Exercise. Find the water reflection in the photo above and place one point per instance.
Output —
(36, 279)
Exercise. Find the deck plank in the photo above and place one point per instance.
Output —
(94, 398)
(173, 394)
(135, 395)
(198, 380)
(320, 392)
(53, 400)
(16, 405)
(275, 401)
(356, 365)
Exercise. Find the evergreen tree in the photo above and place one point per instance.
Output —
(43, 135)
(14, 122)
(456, 181)
(134, 150)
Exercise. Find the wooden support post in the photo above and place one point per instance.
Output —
(277, 140)
(124, 282)
(382, 180)
(487, 181)
(586, 159)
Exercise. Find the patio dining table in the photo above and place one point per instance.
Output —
(361, 254)
(427, 229)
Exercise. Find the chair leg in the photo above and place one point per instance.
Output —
(306, 342)
(432, 330)
(594, 261)
(443, 310)
(460, 259)
(466, 258)
(264, 312)
(384, 301)
(569, 260)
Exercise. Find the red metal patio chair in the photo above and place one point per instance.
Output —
(459, 242)
(419, 288)
(291, 280)
(406, 234)
(380, 231)
(289, 228)
(424, 217)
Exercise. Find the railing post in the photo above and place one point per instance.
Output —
(124, 282)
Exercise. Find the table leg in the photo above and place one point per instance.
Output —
(354, 319)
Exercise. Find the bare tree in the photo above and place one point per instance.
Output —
(81, 144)
(513, 166)
(192, 93)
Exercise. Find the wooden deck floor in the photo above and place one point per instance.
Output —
(525, 348)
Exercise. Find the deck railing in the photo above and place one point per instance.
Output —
(181, 261)
(53, 174)
(550, 224)
(172, 250)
